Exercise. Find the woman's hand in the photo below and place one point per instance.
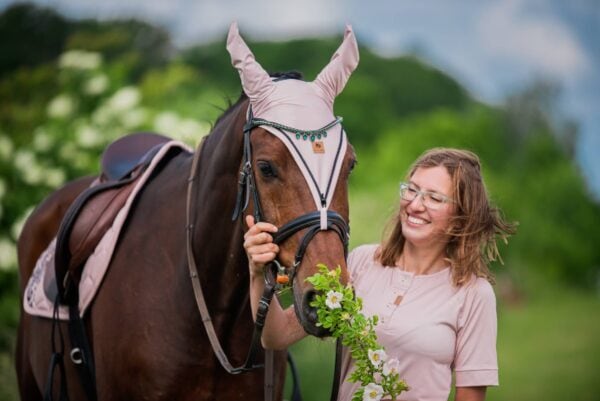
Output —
(259, 245)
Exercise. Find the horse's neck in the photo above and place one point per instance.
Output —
(218, 240)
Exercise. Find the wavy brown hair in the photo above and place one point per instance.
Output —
(473, 230)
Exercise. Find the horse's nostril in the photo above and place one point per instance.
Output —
(310, 312)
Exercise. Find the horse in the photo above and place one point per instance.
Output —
(147, 337)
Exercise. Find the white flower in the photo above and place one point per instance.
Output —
(334, 299)
(377, 357)
(80, 60)
(6, 147)
(55, 177)
(61, 106)
(42, 141)
(28, 167)
(124, 99)
(69, 152)
(2, 188)
(133, 118)
(96, 85)
(373, 392)
(17, 227)
(8, 254)
(89, 137)
(390, 367)
(166, 122)
(102, 115)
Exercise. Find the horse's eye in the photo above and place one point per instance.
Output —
(266, 169)
(353, 164)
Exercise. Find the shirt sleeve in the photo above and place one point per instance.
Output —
(358, 261)
(476, 362)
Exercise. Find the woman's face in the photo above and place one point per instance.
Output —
(422, 225)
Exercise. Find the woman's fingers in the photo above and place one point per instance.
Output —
(262, 248)
(258, 239)
(258, 243)
(255, 228)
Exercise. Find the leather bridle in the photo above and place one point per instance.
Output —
(312, 222)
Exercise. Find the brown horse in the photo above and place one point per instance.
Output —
(145, 331)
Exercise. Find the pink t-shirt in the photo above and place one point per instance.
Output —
(435, 330)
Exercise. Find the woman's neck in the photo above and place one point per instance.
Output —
(419, 260)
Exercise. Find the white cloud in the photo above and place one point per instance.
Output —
(538, 42)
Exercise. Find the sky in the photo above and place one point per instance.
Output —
(492, 47)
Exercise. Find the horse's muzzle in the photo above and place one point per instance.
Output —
(308, 316)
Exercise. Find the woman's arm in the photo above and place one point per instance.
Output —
(282, 328)
(470, 393)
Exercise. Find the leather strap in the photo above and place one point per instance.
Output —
(335, 386)
(57, 363)
(263, 308)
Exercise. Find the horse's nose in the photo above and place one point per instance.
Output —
(310, 312)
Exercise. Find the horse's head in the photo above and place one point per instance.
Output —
(296, 164)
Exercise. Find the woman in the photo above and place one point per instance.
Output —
(428, 281)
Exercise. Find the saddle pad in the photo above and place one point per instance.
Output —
(35, 301)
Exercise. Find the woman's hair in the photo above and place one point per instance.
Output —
(474, 228)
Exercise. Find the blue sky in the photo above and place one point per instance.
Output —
(494, 48)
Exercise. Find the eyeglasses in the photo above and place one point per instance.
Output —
(431, 200)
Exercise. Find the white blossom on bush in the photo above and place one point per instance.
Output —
(8, 254)
(24, 159)
(134, 118)
(124, 99)
(61, 106)
(2, 188)
(89, 137)
(96, 85)
(55, 177)
(17, 226)
(6, 147)
(42, 140)
(166, 122)
(80, 60)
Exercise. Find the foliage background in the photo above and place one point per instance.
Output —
(67, 88)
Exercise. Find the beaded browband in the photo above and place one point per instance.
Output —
(304, 134)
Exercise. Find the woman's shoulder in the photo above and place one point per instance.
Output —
(361, 257)
(479, 290)
(366, 250)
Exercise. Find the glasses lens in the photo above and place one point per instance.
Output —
(407, 193)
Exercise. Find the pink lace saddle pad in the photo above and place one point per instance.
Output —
(35, 300)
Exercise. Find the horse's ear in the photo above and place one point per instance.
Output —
(334, 76)
(255, 80)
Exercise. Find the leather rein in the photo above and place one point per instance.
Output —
(311, 222)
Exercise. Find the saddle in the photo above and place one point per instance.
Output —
(93, 211)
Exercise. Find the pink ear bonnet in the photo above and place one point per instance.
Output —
(300, 113)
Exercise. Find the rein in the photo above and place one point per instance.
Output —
(313, 222)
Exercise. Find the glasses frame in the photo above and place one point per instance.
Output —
(427, 197)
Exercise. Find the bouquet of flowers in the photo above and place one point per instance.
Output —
(340, 311)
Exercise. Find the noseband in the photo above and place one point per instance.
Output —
(313, 221)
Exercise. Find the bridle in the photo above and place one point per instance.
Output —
(313, 222)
